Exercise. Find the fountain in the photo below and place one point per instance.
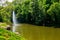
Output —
(14, 22)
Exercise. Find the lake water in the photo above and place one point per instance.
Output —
(32, 32)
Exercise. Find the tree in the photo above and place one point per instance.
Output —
(54, 12)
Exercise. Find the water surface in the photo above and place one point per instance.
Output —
(32, 32)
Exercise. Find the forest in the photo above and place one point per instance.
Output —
(36, 12)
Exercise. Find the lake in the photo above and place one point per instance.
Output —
(33, 32)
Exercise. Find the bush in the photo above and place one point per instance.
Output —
(54, 12)
(36, 12)
(8, 35)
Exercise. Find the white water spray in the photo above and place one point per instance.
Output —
(14, 22)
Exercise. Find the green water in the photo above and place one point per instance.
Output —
(31, 32)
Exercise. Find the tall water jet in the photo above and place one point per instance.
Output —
(14, 22)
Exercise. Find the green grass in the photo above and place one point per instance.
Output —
(3, 25)
(8, 35)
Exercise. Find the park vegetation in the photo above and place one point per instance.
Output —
(37, 12)
(8, 35)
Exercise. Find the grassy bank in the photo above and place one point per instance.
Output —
(7, 35)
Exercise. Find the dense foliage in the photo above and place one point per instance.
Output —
(38, 12)
(7, 35)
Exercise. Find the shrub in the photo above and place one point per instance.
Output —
(8, 35)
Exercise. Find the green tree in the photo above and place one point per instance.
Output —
(54, 12)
